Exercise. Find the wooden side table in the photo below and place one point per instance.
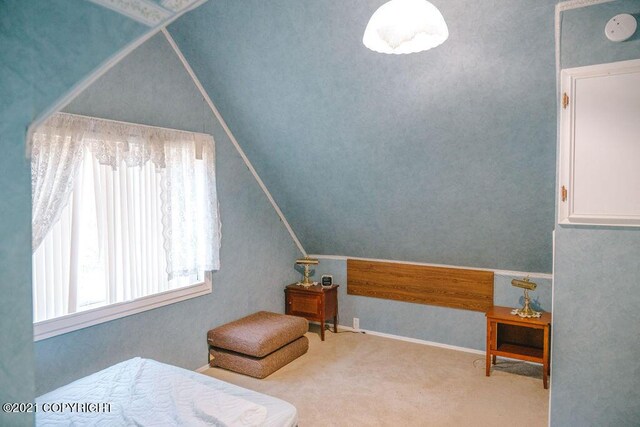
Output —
(518, 337)
(313, 303)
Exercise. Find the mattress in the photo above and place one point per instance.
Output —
(144, 392)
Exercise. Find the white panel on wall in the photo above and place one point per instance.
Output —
(600, 145)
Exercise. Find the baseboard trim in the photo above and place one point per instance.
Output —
(429, 343)
(201, 369)
(414, 340)
(408, 339)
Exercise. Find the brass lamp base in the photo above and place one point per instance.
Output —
(526, 310)
(306, 262)
(524, 313)
(306, 285)
(305, 281)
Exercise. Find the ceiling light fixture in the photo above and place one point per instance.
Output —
(405, 26)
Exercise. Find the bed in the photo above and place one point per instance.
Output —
(144, 392)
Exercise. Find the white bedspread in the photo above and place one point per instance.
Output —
(143, 392)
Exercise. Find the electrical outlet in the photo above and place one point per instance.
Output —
(356, 323)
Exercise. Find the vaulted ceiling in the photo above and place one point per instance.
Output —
(445, 156)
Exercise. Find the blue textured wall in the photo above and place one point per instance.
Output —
(445, 156)
(583, 41)
(595, 368)
(461, 328)
(45, 48)
(150, 86)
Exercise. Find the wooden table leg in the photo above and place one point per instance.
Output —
(335, 318)
(488, 368)
(494, 359)
(545, 358)
(322, 329)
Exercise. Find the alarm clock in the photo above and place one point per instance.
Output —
(327, 281)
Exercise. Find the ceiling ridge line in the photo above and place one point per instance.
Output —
(95, 74)
(232, 138)
(143, 11)
(498, 272)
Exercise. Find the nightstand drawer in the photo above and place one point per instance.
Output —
(314, 303)
(303, 305)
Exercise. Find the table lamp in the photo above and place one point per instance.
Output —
(306, 262)
(526, 310)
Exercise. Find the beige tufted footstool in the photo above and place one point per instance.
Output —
(259, 344)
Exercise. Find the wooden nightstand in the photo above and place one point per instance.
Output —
(516, 337)
(313, 303)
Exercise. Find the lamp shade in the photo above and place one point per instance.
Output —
(405, 26)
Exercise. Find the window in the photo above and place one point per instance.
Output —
(125, 218)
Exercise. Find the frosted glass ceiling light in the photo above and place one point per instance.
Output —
(405, 26)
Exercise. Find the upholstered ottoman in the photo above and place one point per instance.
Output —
(259, 344)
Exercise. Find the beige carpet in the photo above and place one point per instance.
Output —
(363, 380)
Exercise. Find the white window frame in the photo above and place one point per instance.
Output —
(83, 319)
(104, 313)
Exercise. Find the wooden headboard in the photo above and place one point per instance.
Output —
(447, 287)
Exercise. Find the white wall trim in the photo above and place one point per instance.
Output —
(232, 138)
(83, 319)
(553, 291)
(186, 133)
(413, 340)
(83, 84)
(176, 5)
(568, 5)
(201, 369)
(425, 342)
(576, 4)
(143, 11)
(497, 272)
(560, 7)
(146, 12)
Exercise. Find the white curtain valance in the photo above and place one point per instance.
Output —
(112, 142)
(190, 220)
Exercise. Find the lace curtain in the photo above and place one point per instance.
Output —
(190, 219)
(190, 212)
(55, 158)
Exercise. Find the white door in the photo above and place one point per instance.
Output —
(600, 145)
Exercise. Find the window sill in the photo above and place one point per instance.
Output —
(73, 322)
